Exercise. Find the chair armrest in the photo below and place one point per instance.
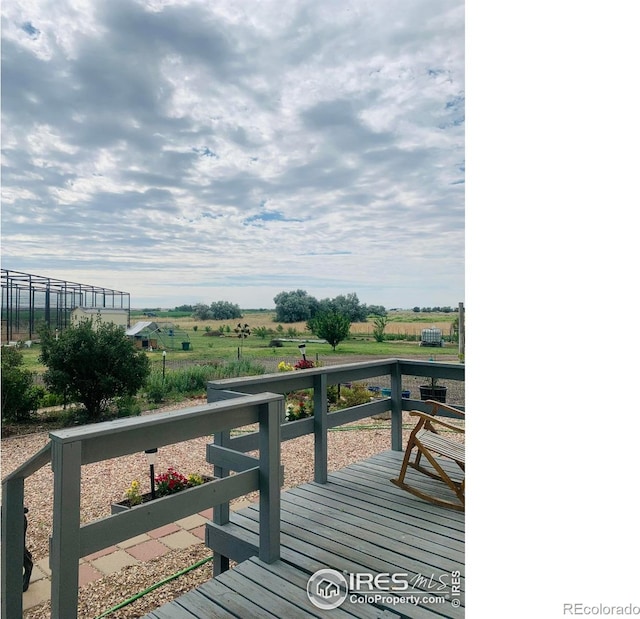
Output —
(431, 419)
(446, 407)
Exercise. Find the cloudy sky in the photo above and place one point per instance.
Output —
(194, 151)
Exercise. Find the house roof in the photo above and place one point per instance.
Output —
(141, 326)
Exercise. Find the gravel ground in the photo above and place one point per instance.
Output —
(105, 482)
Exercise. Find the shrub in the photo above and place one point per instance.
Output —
(127, 406)
(357, 394)
(156, 389)
(19, 395)
(193, 380)
(93, 364)
(48, 399)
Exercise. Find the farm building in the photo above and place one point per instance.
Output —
(29, 301)
(147, 334)
(116, 316)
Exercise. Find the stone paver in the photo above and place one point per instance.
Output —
(181, 539)
(148, 550)
(184, 533)
(191, 522)
(100, 553)
(198, 532)
(38, 592)
(138, 539)
(38, 573)
(114, 562)
(43, 565)
(165, 530)
(87, 573)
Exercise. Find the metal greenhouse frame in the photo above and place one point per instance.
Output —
(31, 300)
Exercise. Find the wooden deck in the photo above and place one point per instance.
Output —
(358, 522)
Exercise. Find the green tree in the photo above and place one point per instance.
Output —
(224, 310)
(377, 310)
(93, 364)
(331, 326)
(348, 305)
(201, 312)
(294, 306)
(19, 395)
(380, 323)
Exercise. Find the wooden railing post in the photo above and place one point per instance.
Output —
(12, 546)
(320, 426)
(66, 461)
(270, 416)
(220, 512)
(396, 407)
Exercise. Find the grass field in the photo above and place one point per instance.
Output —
(204, 347)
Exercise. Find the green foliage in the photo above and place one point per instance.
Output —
(353, 396)
(299, 405)
(331, 326)
(380, 323)
(218, 310)
(19, 395)
(348, 305)
(49, 399)
(298, 306)
(294, 306)
(127, 406)
(156, 389)
(193, 380)
(93, 364)
(262, 332)
(376, 310)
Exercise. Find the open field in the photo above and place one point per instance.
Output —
(206, 347)
(402, 322)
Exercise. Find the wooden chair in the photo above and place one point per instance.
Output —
(428, 442)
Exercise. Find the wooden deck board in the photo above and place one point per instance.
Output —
(358, 522)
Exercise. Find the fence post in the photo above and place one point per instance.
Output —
(396, 407)
(12, 546)
(269, 441)
(220, 512)
(66, 461)
(320, 426)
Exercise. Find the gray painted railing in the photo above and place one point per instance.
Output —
(70, 449)
(233, 403)
(224, 544)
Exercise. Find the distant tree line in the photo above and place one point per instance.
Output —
(428, 310)
(218, 310)
(300, 306)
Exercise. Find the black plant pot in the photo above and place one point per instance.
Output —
(439, 394)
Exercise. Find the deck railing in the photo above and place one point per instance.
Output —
(233, 403)
(68, 450)
(224, 544)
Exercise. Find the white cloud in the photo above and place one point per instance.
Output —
(175, 149)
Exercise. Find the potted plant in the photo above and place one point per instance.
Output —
(433, 391)
(167, 483)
